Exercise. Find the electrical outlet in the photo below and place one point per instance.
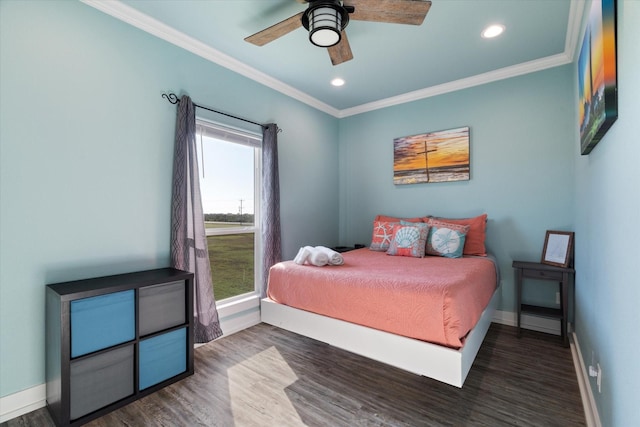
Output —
(557, 297)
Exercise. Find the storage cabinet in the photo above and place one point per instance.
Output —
(112, 340)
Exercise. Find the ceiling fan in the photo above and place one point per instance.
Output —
(326, 20)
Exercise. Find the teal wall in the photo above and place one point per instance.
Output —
(86, 146)
(607, 216)
(522, 162)
(85, 169)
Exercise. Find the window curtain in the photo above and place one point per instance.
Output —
(188, 239)
(271, 238)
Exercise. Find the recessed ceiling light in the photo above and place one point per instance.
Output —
(337, 82)
(492, 31)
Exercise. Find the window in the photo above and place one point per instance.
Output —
(230, 185)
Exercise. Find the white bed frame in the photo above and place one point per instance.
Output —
(419, 357)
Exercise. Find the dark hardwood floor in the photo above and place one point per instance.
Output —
(265, 376)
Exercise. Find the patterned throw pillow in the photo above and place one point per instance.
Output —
(409, 240)
(382, 234)
(445, 239)
(474, 241)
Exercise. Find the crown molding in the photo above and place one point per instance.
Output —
(477, 80)
(575, 29)
(152, 26)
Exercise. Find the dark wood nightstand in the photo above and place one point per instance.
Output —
(534, 270)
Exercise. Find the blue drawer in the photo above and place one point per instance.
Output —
(102, 321)
(162, 357)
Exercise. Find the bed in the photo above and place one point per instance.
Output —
(427, 315)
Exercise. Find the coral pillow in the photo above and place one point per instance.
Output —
(394, 219)
(474, 242)
(409, 240)
(446, 240)
(382, 235)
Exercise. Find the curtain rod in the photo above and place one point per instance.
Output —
(172, 98)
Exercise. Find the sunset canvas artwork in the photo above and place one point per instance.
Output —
(597, 76)
(440, 156)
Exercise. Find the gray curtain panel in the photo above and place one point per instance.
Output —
(188, 239)
(271, 238)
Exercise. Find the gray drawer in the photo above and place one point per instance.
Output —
(100, 380)
(161, 306)
(542, 274)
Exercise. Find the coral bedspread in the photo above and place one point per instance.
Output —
(433, 299)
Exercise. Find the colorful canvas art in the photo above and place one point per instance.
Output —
(597, 76)
(432, 157)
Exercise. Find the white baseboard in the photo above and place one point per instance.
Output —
(588, 401)
(22, 402)
(534, 323)
(237, 324)
(239, 314)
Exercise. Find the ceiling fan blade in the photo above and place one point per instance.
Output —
(275, 31)
(340, 52)
(410, 12)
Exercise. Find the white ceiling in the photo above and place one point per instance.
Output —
(392, 63)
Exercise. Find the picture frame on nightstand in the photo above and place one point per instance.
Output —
(558, 248)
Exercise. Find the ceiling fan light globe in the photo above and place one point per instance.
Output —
(324, 37)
